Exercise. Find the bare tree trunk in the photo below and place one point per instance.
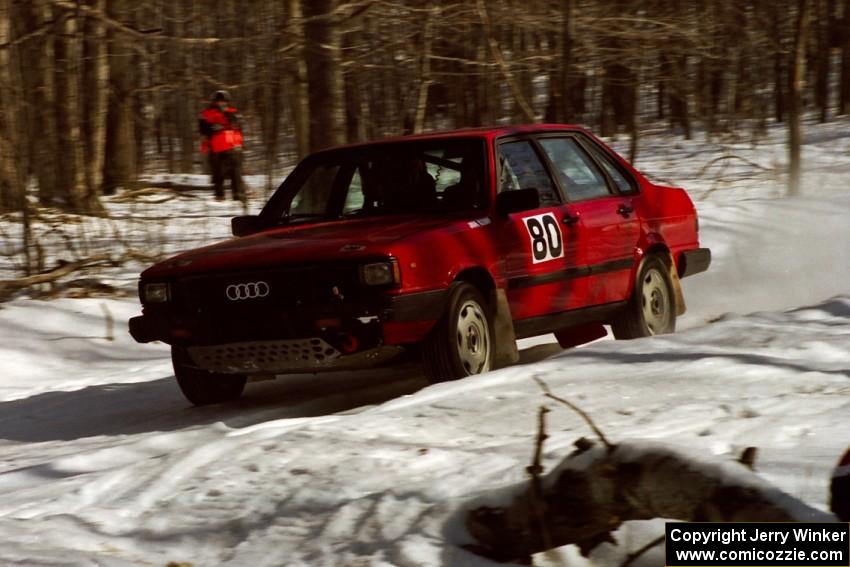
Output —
(355, 116)
(41, 65)
(619, 87)
(844, 98)
(137, 98)
(778, 70)
(561, 95)
(487, 92)
(520, 44)
(95, 100)
(619, 98)
(634, 111)
(120, 161)
(823, 19)
(795, 96)
(72, 171)
(269, 97)
(424, 73)
(634, 134)
(679, 107)
(710, 73)
(12, 140)
(324, 73)
(526, 111)
(11, 177)
(299, 94)
(189, 95)
(356, 110)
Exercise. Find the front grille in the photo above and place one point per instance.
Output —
(265, 356)
(295, 298)
(210, 292)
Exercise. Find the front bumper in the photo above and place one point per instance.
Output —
(275, 341)
(403, 311)
(147, 329)
(694, 261)
(285, 357)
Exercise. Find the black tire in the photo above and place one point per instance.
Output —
(652, 307)
(204, 388)
(462, 342)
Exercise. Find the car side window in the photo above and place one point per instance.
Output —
(521, 168)
(580, 177)
(618, 177)
(354, 196)
(312, 199)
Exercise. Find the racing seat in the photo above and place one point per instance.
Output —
(403, 186)
(460, 196)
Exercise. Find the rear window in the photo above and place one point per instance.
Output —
(579, 175)
(620, 179)
(521, 168)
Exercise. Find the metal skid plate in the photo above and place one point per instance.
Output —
(266, 356)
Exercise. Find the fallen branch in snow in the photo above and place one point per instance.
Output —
(748, 458)
(635, 555)
(705, 168)
(8, 287)
(595, 489)
(139, 256)
(584, 415)
(169, 190)
(110, 322)
(535, 470)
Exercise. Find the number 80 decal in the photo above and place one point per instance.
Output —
(547, 242)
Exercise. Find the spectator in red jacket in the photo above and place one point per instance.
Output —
(222, 139)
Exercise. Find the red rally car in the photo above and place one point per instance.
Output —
(452, 245)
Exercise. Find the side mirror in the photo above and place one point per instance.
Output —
(245, 225)
(517, 201)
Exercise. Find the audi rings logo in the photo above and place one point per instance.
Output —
(252, 290)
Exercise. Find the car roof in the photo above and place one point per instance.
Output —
(484, 132)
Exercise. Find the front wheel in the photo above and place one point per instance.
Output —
(461, 344)
(204, 388)
(652, 308)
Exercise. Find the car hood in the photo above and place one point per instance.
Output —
(299, 244)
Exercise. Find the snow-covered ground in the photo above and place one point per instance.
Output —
(103, 463)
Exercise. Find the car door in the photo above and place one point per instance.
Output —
(609, 227)
(536, 246)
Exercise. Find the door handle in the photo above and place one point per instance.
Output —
(625, 209)
(570, 219)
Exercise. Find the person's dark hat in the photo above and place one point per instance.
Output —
(221, 95)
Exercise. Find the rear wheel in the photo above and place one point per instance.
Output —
(652, 308)
(462, 342)
(204, 388)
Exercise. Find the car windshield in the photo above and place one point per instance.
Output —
(416, 177)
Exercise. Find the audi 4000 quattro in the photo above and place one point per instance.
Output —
(452, 245)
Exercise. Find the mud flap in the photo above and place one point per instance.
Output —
(677, 288)
(506, 351)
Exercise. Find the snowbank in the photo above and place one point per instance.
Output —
(120, 470)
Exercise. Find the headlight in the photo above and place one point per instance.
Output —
(155, 293)
(380, 273)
